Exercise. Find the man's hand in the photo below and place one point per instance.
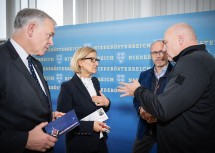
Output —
(38, 140)
(56, 114)
(128, 88)
(146, 116)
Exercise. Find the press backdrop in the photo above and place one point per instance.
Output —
(123, 48)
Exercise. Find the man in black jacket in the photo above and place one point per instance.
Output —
(186, 109)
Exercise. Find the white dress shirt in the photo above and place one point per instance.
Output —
(23, 55)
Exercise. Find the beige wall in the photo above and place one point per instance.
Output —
(88, 11)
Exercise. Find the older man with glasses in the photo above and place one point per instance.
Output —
(155, 80)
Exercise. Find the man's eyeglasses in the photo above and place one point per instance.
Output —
(160, 52)
(93, 60)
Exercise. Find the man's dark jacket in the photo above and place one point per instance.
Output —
(147, 79)
(187, 105)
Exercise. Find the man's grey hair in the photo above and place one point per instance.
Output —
(155, 42)
(27, 15)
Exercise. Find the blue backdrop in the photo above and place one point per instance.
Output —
(123, 48)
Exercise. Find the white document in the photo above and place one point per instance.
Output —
(98, 115)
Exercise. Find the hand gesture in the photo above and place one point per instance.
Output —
(128, 88)
(100, 100)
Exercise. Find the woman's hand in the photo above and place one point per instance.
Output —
(99, 126)
(100, 100)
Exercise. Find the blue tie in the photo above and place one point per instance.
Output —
(30, 65)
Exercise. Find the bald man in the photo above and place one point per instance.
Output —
(186, 109)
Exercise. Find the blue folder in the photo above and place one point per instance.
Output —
(63, 124)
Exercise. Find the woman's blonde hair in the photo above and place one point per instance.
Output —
(78, 55)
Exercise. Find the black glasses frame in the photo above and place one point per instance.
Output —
(93, 60)
(160, 52)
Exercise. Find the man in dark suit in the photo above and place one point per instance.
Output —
(25, 103)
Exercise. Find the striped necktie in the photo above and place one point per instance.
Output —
(30, 65)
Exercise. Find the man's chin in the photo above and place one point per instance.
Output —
(161, 64)
(93, 72)
(41, 53)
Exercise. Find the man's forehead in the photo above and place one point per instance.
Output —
(158, 44)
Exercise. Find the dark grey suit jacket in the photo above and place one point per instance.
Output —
(74, 95)
(22, 105)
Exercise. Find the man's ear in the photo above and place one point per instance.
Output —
(30, 29)
(181, 39)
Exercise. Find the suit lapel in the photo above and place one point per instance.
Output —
(96, 86)
(18, 63)
(80, 86)
(43, 81)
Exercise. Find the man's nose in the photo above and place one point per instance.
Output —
(51, 41)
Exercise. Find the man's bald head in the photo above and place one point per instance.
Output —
(178, 37)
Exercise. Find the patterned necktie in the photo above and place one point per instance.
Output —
(30, 65)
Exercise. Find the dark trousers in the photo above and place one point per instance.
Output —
(102, 148)
(145, 144)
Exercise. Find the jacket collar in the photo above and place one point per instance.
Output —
(169, 69)
(18, 63)
(77, 81)
(189, 50)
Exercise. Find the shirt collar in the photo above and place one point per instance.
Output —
(164, 69)
(22, 53)
(84, 79)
